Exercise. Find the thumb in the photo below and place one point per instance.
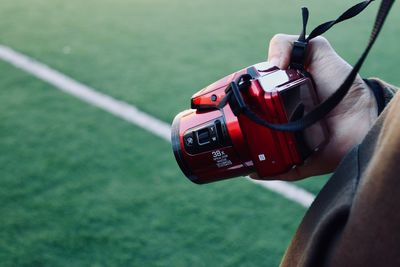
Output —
(280, 49)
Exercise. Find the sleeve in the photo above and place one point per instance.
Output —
(371, 236)
(382, 90)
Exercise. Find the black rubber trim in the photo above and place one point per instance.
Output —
(176, 147)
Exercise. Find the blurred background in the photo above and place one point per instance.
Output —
(80, 187)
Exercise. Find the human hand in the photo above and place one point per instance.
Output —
(347, 123)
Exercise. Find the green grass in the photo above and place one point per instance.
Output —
(79, 187)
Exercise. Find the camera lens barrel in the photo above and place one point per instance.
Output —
(176, 147)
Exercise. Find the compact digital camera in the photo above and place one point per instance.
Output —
(212, 142)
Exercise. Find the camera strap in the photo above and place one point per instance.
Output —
(239, 106)
(299, 50)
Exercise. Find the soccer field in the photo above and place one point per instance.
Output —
(82, 187)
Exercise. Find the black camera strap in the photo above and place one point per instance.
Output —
(238, 105)
(299, 50)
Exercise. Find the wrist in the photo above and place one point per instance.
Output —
(370, 106)
(363, 111)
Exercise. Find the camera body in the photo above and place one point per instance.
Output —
(211, 143)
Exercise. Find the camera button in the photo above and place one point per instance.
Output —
(213, 134)
(212, 129)
(189, 141)
(203, 136)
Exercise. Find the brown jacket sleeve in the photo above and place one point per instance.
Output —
(371, 236)
(355, 219)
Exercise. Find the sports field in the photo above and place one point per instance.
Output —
(82, 187)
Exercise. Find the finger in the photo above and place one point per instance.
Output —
(296, 173)
(280, 48)
(291, 175)
(317, 164)
(254, 176)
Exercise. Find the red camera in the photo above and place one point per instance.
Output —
(212, 142)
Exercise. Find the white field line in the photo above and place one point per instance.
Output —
(127, 112)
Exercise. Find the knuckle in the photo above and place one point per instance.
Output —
(277, 38)
(282, 39)
(321, 41)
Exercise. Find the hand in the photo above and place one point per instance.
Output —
(351, 119)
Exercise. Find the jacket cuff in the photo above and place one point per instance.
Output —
(383, 92)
